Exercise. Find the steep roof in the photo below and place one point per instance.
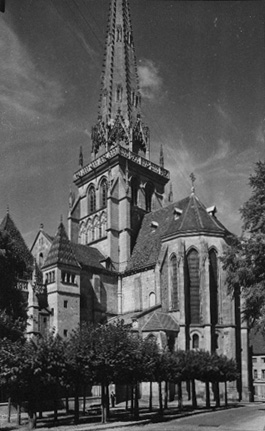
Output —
(61, 251)
(7, 225)
(185, 217)
(159, 321)
(88, 256)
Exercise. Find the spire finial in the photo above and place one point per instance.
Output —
(193, 179)
(161, 159)
(61, 219)
(7, 209)
(81, 158)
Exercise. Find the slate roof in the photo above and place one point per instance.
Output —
(88, 256)
(193, 220)
(257, 341)
(159, 321)
(61, 251)
(9, 226)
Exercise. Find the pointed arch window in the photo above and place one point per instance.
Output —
(174, 282)
(149, 190)
(103, 193)
(213, 275)
(91, 199)
(152, 299)
(193, 282)
(134, 189)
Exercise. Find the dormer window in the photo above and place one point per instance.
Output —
(154, 224)
(177, 213)
(212, 210)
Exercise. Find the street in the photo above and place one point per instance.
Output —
(250, 417)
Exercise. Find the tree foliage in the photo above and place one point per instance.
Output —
(244, 259)
(12, 301)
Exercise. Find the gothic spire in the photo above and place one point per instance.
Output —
(119, 119)
(120, 83)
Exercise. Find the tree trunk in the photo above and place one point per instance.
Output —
(84, 400)
(160, 398)
(127, 398)
(207, 394)
(226, 400)
(9, 410)
(76, 417)
(132, 395)
(66, 404)
(107, 401)
(194, 398)
(103, 404)
(180, 400)
(217, 394)
(55, 407)
(32, 419)
(188, 389)
(166, 396)
(18, 414)
(151, 397)
(136, 402)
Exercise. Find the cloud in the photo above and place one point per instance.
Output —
(150, 81)
(25, 93)
(260, 133)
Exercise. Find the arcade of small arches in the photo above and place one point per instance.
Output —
(93, 228)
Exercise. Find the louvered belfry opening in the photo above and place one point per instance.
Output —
(194, 286)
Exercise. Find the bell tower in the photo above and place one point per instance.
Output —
(120, 184)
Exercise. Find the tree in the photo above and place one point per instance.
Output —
(13, 264)
(80, 361)
(244, 259)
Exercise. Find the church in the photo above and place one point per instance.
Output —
(129, 251)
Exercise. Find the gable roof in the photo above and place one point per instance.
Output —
(7, 225)
(45, 234)
(159, 321)
(185, 217)
(61, 251)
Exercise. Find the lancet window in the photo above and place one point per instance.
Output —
(193, 281)
(103, 193)
(174, 282)
(213, 274)
(92, 199)
(134, 189)
(149, 190)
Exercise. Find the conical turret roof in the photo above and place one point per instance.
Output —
(61, 252)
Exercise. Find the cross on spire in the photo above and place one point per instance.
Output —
(193, 179)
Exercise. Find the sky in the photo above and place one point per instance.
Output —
(201, 67)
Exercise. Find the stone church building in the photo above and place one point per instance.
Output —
(129, 251)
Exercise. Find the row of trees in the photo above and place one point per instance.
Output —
(32, 370)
